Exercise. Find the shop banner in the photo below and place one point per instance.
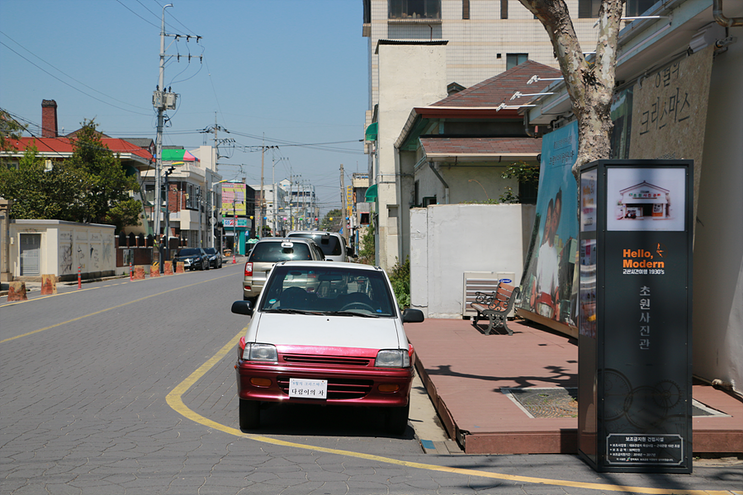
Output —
(547, 285)
(233, 199)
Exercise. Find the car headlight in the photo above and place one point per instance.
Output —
(260, 352)
(392, 358)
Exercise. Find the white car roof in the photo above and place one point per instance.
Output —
(333, 264)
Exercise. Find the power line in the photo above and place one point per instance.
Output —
(68, 84)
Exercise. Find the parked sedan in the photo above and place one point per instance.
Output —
(215, 258)
(326, 334)
(267, 252)
(192, 258)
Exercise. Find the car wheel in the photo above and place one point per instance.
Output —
(397, 419)
(250, 416)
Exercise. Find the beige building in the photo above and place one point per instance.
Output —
(60, 248)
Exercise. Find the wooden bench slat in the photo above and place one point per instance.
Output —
(495, 307)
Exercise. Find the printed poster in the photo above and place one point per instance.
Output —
(547, 284)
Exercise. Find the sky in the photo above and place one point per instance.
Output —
(291, 72)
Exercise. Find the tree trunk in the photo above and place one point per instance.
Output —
(589, 84)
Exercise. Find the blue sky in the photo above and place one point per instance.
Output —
(292, 70)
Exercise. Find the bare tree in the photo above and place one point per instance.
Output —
(589, 84)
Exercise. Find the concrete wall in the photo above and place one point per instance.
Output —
(64, 247)
(466, 183)
(718, 251)
(409, 75)
(448, 240)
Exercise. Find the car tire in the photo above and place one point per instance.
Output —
(250, 415)
(396, 420)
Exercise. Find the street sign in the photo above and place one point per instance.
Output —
(635, 302)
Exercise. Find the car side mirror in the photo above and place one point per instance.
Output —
(410, 315)
(242, 308)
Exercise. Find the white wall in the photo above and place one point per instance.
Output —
(409, 76)
(448, 240)
(64, 247)
(718, 251)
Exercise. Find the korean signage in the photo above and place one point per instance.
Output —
(230, 222)
(635, 315)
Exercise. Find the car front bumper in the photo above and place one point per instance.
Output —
(349, 386)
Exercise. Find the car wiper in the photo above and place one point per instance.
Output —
(350, 313)
(291, 311)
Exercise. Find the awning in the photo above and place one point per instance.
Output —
(371, 194)
(371, 132)
(171, 155)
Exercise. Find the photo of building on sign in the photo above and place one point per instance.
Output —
(642, 201)
(645, 198)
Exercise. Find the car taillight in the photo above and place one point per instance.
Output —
(248, 269)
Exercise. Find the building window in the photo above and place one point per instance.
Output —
(465, 9)
(514, 59)
(638, 7)
(504, 9)
(414, 9)
(588, 8)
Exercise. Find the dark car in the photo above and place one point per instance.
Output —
(215, 258)
(192, 258)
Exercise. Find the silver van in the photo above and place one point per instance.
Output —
(332, 244)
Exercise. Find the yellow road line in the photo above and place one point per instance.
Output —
(175, 401)
(104, 310)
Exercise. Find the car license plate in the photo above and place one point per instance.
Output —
(308, 389)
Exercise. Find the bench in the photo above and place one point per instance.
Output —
(495, 306)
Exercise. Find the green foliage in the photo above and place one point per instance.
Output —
(332, 221)
(400, 278)
(524, 173)
(367, 254)
(509, 196)
(89, 187)
(9, 129)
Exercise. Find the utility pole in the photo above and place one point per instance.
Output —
(263, 195)
(344, 227)
(163, 100)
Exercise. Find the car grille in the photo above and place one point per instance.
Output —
(338, 388)
(327, 360)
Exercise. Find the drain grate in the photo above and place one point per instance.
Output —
(558, 402)
(545, 402)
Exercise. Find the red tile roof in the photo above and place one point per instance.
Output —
(63, 146)
(500, 88)
(481, 146)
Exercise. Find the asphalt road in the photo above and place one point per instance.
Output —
(128, 387)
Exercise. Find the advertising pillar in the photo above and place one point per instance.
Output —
(635, 302)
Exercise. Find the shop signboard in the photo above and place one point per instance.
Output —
(635, 294)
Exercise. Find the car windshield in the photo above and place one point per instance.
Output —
(210, 251)
(328, 290)
(188, 252)
(275, 251)
(329, 244)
